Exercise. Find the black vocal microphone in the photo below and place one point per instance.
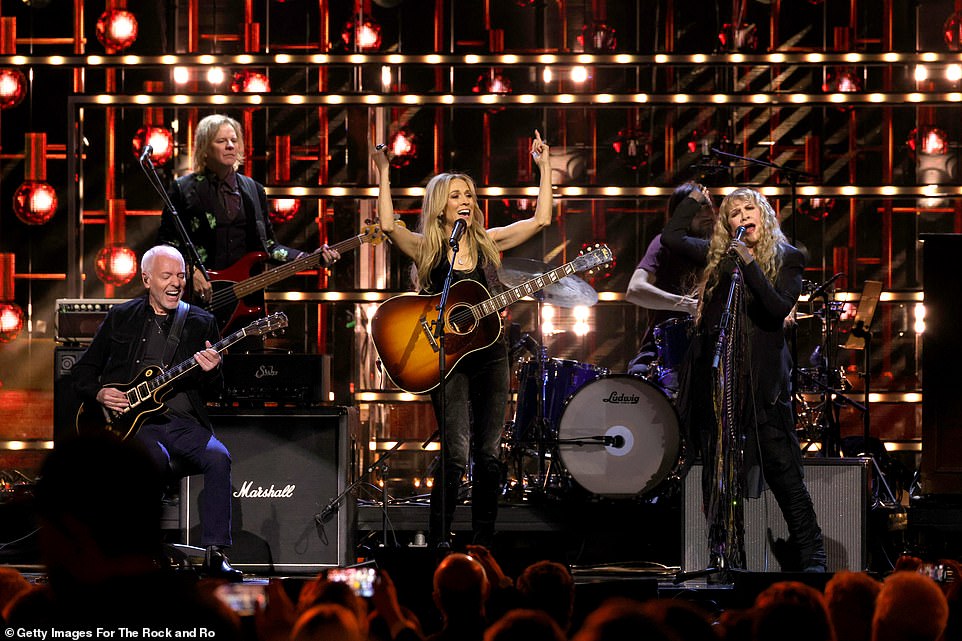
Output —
(821, 289)
(457, 232)
(740, 232)
(145, 154)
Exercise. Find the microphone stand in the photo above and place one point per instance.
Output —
(725, 317)
(439, 333)
(792, 175)
(191, 257)
(332, 506)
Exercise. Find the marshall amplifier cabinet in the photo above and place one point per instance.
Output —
(288, 465)
(78, 319)
(299, 380)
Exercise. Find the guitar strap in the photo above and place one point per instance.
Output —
(173, 339)
(247, 187)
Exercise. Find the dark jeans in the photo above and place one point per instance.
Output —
(178, 437)
(476, 395)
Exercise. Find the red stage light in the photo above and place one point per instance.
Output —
(598, 37)
(116, 29)
(13, 88)
(633, 148)
(931, 140)
(116, 265)
(35, 202)
(283, 210)
(11, 321)
(816, 208)
(250, 82)
(403, 147)
(364, 35)
(952, 31)
(842, 81)
(493, 82)
(161, 139)
(744, 37)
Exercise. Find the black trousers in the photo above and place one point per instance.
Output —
(476, 395)
(178, 437)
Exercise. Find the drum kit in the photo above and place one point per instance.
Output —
(577, 425)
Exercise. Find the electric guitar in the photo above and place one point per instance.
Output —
(147, 391)
(404, 327)
(232, 284)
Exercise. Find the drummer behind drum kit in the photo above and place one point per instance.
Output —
(615, 435)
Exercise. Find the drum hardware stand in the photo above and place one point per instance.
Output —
(380, 465)
(831, 437)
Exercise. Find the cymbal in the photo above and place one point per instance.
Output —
(570, 291)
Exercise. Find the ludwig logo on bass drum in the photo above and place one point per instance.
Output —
(622, 399)
(247, 492)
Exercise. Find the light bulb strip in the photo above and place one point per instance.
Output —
(610, 192)
(798, 58)
(489, 100)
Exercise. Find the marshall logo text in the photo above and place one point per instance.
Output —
(622, 399)
(246, 492)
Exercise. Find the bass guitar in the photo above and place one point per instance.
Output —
(404, 328)
(232, 284)
(146, 393)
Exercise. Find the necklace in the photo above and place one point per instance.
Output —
(158, 324)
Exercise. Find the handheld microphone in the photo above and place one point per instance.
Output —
(457, 232)
(740, 232)
(145, 154)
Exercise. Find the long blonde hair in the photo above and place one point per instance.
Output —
(435, 244)
(204, 134)
(767, 250)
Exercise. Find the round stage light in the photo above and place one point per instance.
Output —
(403, 147)
(250, 82)
(35, 202)
(283, 210)
(11, 321)
(13, 88)
(364, 35)
(116, 265)
(159, 138)
(116, 29)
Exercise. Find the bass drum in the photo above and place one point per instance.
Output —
(643, 443)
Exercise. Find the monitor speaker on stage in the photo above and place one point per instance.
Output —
(287, 466)
(840, 492)
(65, 401)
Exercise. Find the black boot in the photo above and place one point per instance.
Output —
(217, 565)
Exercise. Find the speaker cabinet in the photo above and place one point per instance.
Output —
(287, 466)
(65, 401)
(840, 490)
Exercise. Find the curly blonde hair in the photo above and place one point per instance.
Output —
(434, 247)
(767, 251)
(204, 134)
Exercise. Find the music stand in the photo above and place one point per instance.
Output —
(861, 338)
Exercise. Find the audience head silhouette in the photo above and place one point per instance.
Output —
(850, 597)
(910, 607)
(549, 587)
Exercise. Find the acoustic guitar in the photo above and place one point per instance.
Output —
(404, 328)
(232, 284)
(147, 391)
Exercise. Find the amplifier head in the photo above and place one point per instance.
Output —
(78, 319)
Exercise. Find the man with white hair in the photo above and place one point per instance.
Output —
(157, 329)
